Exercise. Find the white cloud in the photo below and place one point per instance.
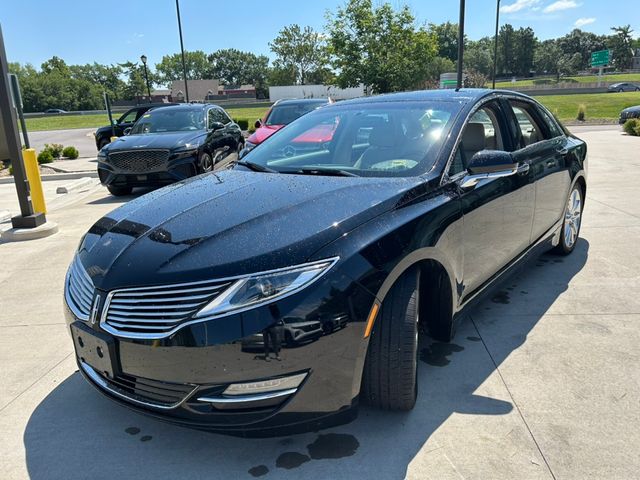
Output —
(518, 5)
(581, 22)
(561, 5)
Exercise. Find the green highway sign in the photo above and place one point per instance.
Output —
(600, 58)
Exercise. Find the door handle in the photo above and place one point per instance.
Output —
(523, 169)
(550, 163)
(562, 150)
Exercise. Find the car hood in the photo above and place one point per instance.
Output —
(168, 140)
(262, 133)
(635, 108)
(231, 223)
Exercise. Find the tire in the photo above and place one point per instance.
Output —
(572, 221)
(240, 147)
(206, 162)
(390, 377)
(119, 191)
(104, 142)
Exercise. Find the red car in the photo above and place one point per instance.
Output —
(283, 113)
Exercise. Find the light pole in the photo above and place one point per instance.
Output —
(146, 75)
(460, 44)
(495, 45)
(184, 64)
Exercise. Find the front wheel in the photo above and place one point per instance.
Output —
(206, 162)
(119, 191)
(390, 377)
(572, 222)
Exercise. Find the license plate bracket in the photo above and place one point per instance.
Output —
(96, 349)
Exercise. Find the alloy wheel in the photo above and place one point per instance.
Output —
(572, 217)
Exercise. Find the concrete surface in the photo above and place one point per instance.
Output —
(541, 382)
(47, 229)
(81, 138)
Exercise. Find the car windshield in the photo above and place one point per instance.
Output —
(169, 120)
(383, 139)
(287, 113)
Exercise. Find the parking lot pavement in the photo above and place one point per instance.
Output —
(541, 381)
(81, 138)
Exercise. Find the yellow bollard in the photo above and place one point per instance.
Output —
(35, 183)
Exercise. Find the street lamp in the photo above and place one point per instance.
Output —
(146, 75)
(495, 45)
(460, 45)
(184, 63)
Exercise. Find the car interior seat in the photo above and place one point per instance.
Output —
(473, 140)
(382, 146)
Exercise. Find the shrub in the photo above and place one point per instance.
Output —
(243, 123)
(630, 126)
(70, 152)
(637, 130)
(10, 169)
(582, 112)
(45, 156)
(55, 149)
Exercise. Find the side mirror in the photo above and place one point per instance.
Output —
(258, 123)
(489, 164)
(127, 131)
(216, 126)
(114, 122)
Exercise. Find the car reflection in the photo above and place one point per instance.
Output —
(292, 332)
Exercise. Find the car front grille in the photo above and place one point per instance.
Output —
(156, 312)
(79, 290)
(139, 161)
(142, 390)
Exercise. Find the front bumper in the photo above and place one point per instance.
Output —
(181, 379)
(174, 171)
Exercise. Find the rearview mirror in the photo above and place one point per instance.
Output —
(487, 165)
(213, 126)
(258, 123)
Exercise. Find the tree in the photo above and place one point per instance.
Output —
(549, 58)
(585, 43)
(235, 67)
(478, 55)
(170, 67)
(620, 45)
(436, 67)
(525, 45)
(302, 49)
(281, 76)
(379, 47)
(136, 85)
(506, 50)
(447, 37)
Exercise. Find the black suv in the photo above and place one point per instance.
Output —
(166, 145)
(103, 134)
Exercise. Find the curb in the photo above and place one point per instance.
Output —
(5, 216)
(56, 176)
(75, 185)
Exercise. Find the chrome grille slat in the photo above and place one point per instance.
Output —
(153, 312)
(79, 290)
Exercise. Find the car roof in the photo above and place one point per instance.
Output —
(192, 106)
(299, 101)
(463, 95)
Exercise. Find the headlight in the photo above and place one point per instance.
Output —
(188, 152)
(265, 287)
(102, 157)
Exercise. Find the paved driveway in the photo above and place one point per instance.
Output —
(542, 380)
(81, 138)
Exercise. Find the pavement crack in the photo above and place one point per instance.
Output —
(513, 400)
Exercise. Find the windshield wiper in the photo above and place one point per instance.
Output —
(256, 167)
(322, 171)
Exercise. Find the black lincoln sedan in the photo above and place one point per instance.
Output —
(179, 302)
(168, 144)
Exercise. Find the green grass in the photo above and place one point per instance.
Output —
(600, 106)
(622, 77)
(94, 121)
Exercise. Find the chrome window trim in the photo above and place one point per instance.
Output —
(160, 335)
(99, 381)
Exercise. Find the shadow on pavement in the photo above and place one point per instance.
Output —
(75, 432)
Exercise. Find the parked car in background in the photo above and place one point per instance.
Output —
(168, 144)
(127, 119)
(627, 113)
(55, 110)
(282, 113)
(623, 87)
(419, 205)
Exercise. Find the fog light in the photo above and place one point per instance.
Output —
(264, 386)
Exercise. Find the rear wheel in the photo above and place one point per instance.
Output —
(119, 191)
(390, 372)
(572, 221)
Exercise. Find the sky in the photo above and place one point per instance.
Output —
(84, 31)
